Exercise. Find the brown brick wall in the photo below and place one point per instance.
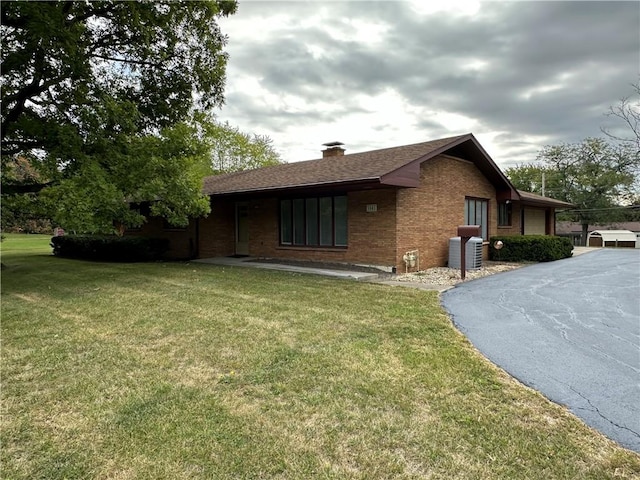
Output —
(217, 231)
(182, 242)
(428, 216)
(371, 235)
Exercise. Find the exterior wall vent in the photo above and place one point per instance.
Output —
(473, 253)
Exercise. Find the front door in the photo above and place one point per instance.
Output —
(242, 228)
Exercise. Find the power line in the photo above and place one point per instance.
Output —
(627, 207)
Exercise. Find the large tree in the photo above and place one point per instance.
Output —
(595, 175)
(96, 94)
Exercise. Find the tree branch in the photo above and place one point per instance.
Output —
(124, 60)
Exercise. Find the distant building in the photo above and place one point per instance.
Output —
(573, 230)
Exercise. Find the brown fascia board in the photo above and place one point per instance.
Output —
(533, 199)
(554, 204)
(547, 203)
(346, 184)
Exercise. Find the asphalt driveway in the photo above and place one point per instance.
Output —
(569, 329)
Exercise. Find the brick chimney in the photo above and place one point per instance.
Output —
(334, 149)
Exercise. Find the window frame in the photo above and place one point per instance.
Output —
(484, 226)
(505, 209)
(303, 226)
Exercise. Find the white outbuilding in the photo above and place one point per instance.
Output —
(613, 238)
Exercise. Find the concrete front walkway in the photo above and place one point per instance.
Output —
(251, 262)
(384, 279)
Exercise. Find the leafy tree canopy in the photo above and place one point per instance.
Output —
(99, 96)
(233, 150)
(165, 169)
(61, 61)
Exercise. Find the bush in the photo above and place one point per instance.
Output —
(110, 248)
(531, 248)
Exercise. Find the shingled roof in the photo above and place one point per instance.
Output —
(397, 166)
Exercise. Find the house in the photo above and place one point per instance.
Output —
(366, 208)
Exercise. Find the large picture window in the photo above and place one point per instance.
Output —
(314, 222)
(476, 213)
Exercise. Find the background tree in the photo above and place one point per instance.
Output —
(594, 175)
(535, 178)
(627, 111)
(95, 92)
(233, 150)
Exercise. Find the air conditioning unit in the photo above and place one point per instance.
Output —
(473, 253)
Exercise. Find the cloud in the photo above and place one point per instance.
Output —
(517, 74)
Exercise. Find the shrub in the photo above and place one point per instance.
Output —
(110, 248)
(531, 248)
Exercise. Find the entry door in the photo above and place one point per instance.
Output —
(242, 228)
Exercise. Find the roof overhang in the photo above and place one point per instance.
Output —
(533, 200)
(311, 188)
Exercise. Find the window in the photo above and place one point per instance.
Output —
(315, 221)
(476, 213)
(340, 221)
(504, 214)
(286, 223)
(312, 221)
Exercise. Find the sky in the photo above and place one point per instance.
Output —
(376, 74)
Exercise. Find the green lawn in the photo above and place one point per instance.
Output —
(178, 370)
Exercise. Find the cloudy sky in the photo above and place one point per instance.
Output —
(374, 74)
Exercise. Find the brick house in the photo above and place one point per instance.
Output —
(366, 208)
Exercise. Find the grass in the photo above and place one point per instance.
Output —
(179, 370)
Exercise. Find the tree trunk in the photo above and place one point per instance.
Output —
(585, 232)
